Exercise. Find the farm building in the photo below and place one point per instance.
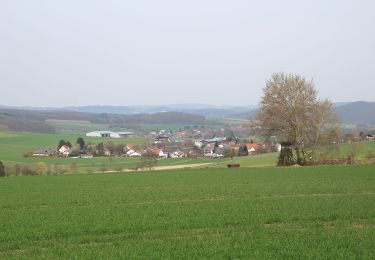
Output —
(44, 152)
(109, 134)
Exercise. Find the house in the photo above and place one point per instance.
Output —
(208, 149)
(133, 153)
(252, 148)
(177, 154)
(107, 152)
(198, 144)
(369, 137)
(65, 150)
(162, 154)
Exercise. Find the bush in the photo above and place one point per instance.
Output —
(370, 155)
(28, 171)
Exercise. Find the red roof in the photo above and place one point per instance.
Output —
(254, 146)
(155, 150)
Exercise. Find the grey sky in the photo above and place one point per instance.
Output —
(60, 53)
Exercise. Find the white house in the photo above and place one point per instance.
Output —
(177, 154)
(133, 153)
(162, 154)
(65, 150)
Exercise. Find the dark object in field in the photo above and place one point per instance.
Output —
(286, 157)
(233, 165)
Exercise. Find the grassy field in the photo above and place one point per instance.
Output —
(75, 127)
(14, 144)
(253, 213)
(78, 127)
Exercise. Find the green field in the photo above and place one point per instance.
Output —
(79, 127)
(14, 144)
(253, 213)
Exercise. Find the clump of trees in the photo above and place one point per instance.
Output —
(39, 168)
(62, 143)
(290, 108)
(81, 143)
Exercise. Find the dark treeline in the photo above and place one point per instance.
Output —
(24, 124)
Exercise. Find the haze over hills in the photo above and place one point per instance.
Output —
(360, 112)
(195, 109)
(32, 118)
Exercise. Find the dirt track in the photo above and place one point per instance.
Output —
(181, 166)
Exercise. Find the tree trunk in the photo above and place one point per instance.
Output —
(300, 159)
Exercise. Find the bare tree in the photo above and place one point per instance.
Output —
(148, 160)
(290, 108)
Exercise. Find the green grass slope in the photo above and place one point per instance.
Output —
(265, 213)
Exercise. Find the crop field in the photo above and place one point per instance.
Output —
(272, 213)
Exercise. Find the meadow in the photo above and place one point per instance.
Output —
(248, 213)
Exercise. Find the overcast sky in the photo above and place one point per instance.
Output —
(62, 53)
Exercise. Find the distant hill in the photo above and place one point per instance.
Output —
(196, 109)
(35, 120)
(360, 112)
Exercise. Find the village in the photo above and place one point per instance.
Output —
(162, 144)
(189, 143)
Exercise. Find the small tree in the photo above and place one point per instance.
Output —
(100, 149)
(229, 153)
(81, 143)
(148, 160)
(62, 143)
